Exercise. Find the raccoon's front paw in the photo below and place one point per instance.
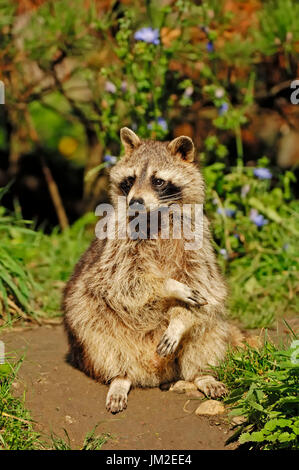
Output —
(167, 345)
(193, 297)
(117, 396)
(116, 402)
(183, 292)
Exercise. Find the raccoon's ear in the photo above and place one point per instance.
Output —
(182, 146)
(129, 140)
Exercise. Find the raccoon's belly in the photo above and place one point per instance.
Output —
(152, 316)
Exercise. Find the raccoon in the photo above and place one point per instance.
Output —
(145, 312)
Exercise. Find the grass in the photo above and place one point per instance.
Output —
(264, 287)
(16, 427)
(35, 266)
(264, 386)
(91, 441)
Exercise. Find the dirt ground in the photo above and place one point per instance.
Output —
(59, 396)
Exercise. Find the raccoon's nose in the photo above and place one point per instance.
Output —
(136, 201)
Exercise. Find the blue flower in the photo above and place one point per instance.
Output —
(224, 253)
(262, 173)
(227, 212)
(210, 46)
(149, 35)
(161, 122)
(223, 109)
(258, 219)
(110, 159)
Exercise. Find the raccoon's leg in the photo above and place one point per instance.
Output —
(181, 320)
(203, 348)
(117, 396)
(180, 291)
(210, 386)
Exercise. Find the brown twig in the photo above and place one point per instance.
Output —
(52, 186)
(7, 415)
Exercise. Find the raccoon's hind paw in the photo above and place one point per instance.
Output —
(167, 345)
(210, 386)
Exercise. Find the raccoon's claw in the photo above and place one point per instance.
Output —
(117, 396)
(211, 387)
(196, 299)
(116, 402)
(167, 345)
(182, 292)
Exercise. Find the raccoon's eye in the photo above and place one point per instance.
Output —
(127, 184)
(158, 182)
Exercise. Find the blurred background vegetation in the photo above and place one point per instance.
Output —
(75, 72)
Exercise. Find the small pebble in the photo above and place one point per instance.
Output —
(182, 387)
(210, 407)
(195, 394)
(237, 420)
(69, 420)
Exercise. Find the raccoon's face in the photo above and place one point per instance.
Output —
(155, 174)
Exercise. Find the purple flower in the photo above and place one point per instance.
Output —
(110, 159)
(110, 87)
(149, 35)
(223, 109)
(262, 173)
(286, 246)
(210, 46)
(224, 253)
(258, 219)
(161, 122)
(227, 212)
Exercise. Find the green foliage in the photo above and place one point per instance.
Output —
(265, 392)
(261, 263)
(91, 441)
(16, 281)
(35, 266)
(16, 427)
